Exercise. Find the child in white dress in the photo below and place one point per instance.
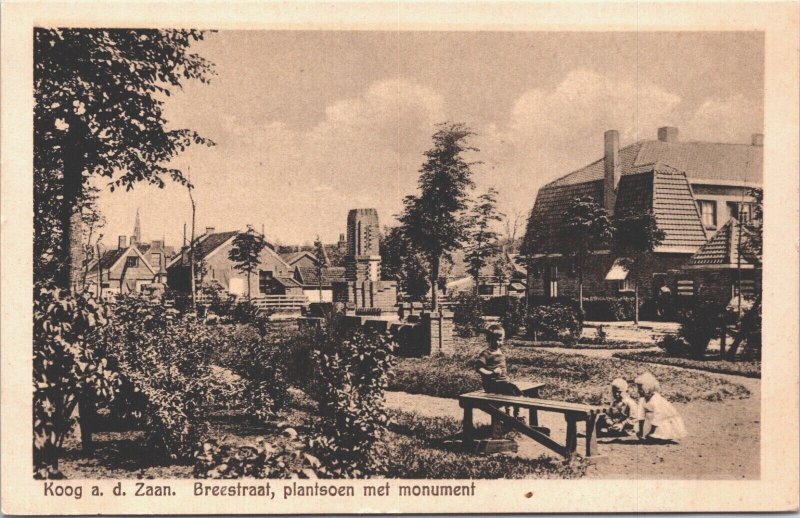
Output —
(659, 420)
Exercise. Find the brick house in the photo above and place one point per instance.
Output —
(693, 188)
(213, 248)
(123, 270)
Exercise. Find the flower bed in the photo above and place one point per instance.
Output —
(568, 377)
(747, 368)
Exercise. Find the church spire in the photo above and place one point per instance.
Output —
(137, 230)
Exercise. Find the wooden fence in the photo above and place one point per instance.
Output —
(280, 303)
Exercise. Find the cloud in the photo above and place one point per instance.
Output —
(552, 132)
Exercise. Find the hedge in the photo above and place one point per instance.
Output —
(746, 368)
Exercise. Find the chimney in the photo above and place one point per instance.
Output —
(668, 134)
(123, 242)
(611, 169)
(209, 230)
(758, 139)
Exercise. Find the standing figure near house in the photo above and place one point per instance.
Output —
(658, 418)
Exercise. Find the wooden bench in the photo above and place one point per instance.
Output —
(492, 404)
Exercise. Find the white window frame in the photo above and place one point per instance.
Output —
(712, 204)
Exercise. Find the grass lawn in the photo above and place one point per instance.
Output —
(609, 344)
(567, 377)
(748, 368)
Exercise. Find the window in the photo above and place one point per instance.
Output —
(735, 209)
(132, 262)
(708, 213)
(155, 259)
(551, 281)
(264, 281)
(625, 285)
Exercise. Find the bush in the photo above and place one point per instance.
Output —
(557, 322)
(674, 346)
(352, 417)
(467, 314)
(166, 372)
(262, 364)
(700, 324)
(511, 311)
(608, 309)
(67, 369)
(263, 460)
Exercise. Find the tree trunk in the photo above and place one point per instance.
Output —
(580, 289)
(636, 302)
(71, 222)
(248, 286)
(87, 416)
(191, 256)
(528, 269)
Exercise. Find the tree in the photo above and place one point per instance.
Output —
(322, 262)
(433, 220)
(588, 229)
(98, 112)
(246, 251)
(403, 263)
(502, 270)
(482, 239)
(635, 238)
(532, 246)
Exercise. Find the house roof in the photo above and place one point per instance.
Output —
(307, 275)
(293, 257)
(703, 162)
(110, 257)
(288, 282)
(204, 245)
(665, 191)
(657, 187)
(722, 250)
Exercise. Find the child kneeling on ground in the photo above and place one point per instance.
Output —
(659, 420)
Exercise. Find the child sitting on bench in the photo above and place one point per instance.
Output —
(659, 420)
(491, 364)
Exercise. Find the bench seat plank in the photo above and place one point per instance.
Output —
(480, 396)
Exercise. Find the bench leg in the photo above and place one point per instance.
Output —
(533, 418)
(469, 429)
(497, 428)
(572, 435)
(591, 435)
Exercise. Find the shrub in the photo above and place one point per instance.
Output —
(512, 316)
(467, 315)
(674, 346)
(608, 309)
(262, 460)
(262, 364)
(352, 418)
(67, 369)
(166, 372)
(700, 324)
(557, 322)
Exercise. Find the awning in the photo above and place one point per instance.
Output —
(617, 272)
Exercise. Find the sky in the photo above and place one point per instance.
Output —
(311, 124)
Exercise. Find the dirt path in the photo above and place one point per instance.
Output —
(723, 442)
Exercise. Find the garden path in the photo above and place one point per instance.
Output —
(708, 452)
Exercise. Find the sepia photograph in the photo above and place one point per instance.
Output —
(419, 260)
(319, 254)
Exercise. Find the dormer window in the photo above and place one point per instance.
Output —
(132, 262)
